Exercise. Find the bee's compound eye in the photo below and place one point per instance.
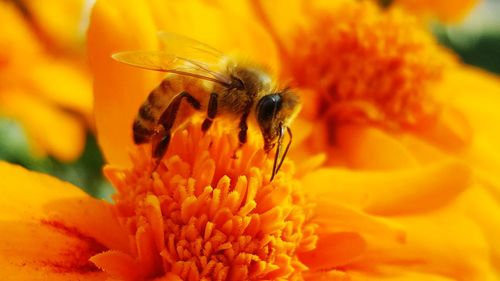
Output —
(267, 107)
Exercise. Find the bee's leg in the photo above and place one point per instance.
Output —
(211, 112)
(167, 120)
(242, 135)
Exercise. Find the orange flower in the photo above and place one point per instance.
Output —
(364, 88)
(417, 129)
(357, 79)
(199, 216)
(48, 94)
(391, 99)
(176, 228)
(204, 215)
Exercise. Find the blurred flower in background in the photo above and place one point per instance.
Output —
(45, 89)
(380, 95)
(49, 93)
(393, 172)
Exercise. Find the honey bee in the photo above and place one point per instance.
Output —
(218, 84)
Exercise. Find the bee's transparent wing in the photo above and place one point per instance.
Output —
(179, 55)
(166, 62)
(186, 47)
(152, 60)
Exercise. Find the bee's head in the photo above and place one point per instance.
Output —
(274, 112)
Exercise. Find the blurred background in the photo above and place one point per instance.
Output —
(45, 88)
(476, 39)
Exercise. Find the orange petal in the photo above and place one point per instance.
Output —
(449, 131)
(476, 94)
(119, 89)
(370, 148)
(397, 274)
(328, 275)
(422, 150)
(52, 130)
(49, 229)
(334, 250)
(279, 22)
(60, 21)
(388, 273)
(118, 265)
(483, 208)
(336, 217)
(443, 242)
(281, 18)
(18, 44)
(484, 156)
(395, 192)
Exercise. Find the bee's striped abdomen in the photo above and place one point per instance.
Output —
(146, 122)
(142, 134)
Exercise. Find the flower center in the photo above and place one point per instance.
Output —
(367, 65)
(207, 213)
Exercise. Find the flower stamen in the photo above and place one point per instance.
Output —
(368, 65)
(205, 216)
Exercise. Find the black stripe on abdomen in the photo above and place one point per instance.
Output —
(141, 134)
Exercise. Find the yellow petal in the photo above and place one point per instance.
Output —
(281, 18)
(334, 217)
(18, 44)
(443, 242)
(63, 84)
(392, 192)
(49, 229)
(424, 151)
(226, 25)
(60, 21)
(119, 89)
(279, 22)
(476, 94)
(370, 148)
(482, 206)
(50, 129)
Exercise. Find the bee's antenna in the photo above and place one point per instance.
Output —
(286, 149)
(276, 155)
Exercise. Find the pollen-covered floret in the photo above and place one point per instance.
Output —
(206, 215)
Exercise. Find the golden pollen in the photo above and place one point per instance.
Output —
(207, 215)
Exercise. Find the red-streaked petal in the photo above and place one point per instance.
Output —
(49, 229)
